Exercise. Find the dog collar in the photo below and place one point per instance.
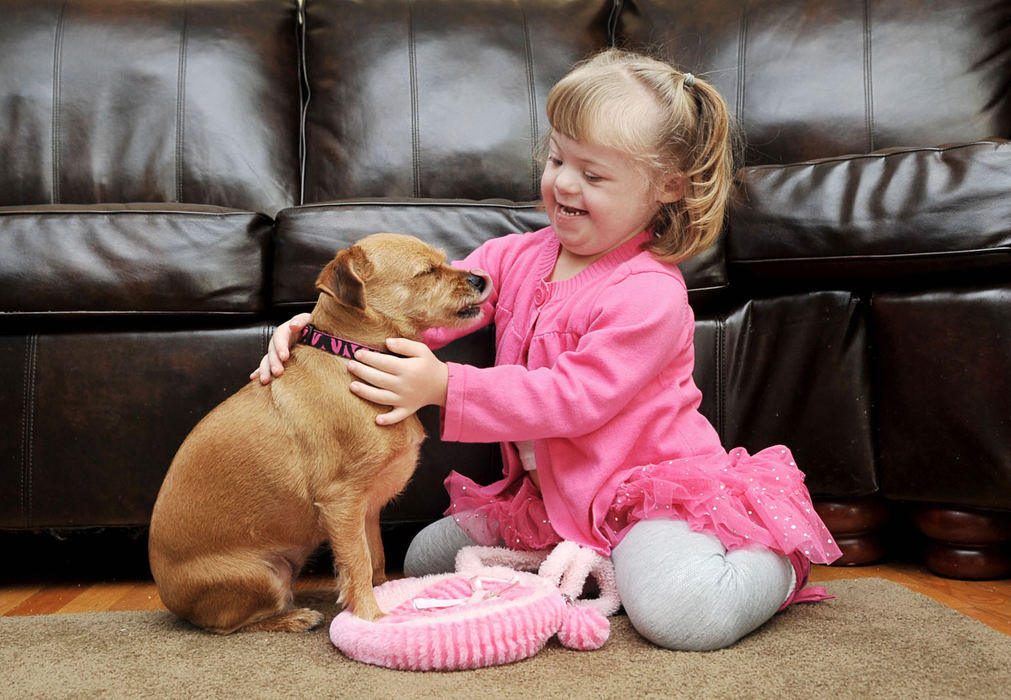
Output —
(332, 344)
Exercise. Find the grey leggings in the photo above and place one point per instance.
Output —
(681, 589)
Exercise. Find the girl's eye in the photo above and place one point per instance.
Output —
(557, 162)
(590, 177)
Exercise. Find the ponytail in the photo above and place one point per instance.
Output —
(707, 148)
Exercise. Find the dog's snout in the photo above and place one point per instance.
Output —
(476, 281)
(480, 282)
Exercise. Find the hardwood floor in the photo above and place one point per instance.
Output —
(986, 601)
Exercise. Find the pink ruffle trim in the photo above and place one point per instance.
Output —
(745, 500)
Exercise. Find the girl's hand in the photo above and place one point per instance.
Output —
(404, 383)
(279, 349)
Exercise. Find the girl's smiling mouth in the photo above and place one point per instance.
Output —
(571, 211)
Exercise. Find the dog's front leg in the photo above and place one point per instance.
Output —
(376, 551)
(344, 522)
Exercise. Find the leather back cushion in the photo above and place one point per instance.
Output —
(307, 237)
(875, 216)
(401, 107)
(132, 259)
(147, 101)
(816, 79)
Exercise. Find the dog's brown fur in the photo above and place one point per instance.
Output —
(276, 470)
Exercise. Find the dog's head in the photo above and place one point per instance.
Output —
(402, 282)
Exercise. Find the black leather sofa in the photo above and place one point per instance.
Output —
(176, 173)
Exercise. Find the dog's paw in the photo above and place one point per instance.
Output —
(365, 608)
(369, 615)
(305, 619)
(297, 620)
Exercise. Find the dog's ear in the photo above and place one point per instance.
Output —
(343, 277)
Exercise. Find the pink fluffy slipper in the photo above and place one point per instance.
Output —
(491, 611)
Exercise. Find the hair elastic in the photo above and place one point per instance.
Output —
(689, 80)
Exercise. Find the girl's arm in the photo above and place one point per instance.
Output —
(279, 348)
(635, 335)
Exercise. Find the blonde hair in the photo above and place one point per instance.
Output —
(672, 122)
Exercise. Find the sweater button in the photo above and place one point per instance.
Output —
(539, 296)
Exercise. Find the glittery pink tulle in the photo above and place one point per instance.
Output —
(517, 517)
(745, 500)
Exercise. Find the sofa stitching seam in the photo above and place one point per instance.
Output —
(868, 78)
(415, 126)
(28, 429)
(742, 48)
(181, 106)
(719, 350)
(532, 92)
(303, 84)
(889, 153)
(57, 71)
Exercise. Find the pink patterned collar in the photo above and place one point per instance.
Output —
(332, 344)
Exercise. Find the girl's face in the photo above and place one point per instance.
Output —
(597, 197)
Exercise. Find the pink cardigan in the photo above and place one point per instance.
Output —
(595, 370)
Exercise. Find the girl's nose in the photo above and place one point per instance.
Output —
(566, 180)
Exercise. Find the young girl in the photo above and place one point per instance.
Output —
(592, 395)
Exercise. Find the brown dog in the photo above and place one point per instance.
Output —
(276, 470)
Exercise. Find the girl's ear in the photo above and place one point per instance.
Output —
(673, 188)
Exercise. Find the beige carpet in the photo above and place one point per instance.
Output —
(877, 639)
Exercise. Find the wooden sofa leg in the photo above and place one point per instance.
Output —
(857, 524)
(964, 543)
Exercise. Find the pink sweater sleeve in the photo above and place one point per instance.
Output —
(626, 346)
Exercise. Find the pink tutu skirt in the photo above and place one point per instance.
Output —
(745, 500)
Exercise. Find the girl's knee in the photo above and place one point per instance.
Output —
(434, 549)
(684, 611)
(681, 590)
(697, 626)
